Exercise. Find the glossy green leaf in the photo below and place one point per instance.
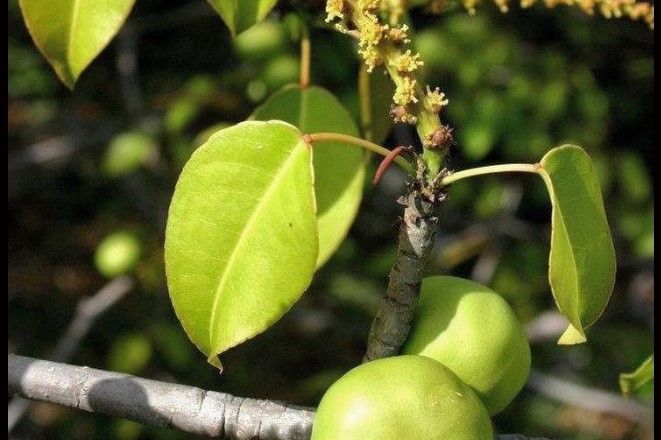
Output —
(339, 169)
(630, 382)
(241, 238)
(239, 15)
(582, 258)
(71, 33)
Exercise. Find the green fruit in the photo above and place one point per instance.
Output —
(473, 331)
(281, 70)
(128, 152)
(117, 254)
(260, 41)
(401, 397)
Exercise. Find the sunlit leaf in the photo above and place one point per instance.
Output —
(239, 15)
(241, 238)
(71, 33)
(582, 259)
(339, 169)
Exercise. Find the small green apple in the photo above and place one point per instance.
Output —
(474, 332)
(401, 397)
(117, 254)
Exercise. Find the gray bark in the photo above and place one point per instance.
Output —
(188, 409)
(392, 323)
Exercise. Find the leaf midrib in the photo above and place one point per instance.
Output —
(72, 27)
(248, 225)
(549, 184)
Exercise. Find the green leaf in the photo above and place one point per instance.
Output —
(239, 15)
(241, 237)
(339, 169)
(582, 258)
(71, 33)
(630, 382)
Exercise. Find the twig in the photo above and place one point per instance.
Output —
(126, 63)
(189, 409)
(588, 398)
(392, 323)
(87, 311)
(161, 404)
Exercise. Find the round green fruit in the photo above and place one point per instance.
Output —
(117, 254)
(401, 397)
(474, 332)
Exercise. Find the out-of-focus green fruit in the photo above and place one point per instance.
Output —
(280, 71)
(473, 331)
(260, 41)
(128, 152)
(401, 397)
(117, 254)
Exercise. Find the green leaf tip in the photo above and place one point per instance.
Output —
(239, 15)
(572, 336)
(71, 34)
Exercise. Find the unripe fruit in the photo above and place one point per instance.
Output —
(117, 254)
(401, 397)
(474, 332)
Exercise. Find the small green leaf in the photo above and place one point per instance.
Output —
(339, 169)
(239, 15)
(630, 382)
(71, 33)
(582, 258)
(241, 238)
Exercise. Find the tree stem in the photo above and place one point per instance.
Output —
(392, 323)
(345, 138)
(304, 80)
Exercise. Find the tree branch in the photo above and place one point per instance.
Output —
(167, 405)
(161, 404)
(392, 323)
(87, 311)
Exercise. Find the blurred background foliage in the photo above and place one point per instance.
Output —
(91, 173)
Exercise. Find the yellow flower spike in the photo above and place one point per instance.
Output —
(398, 35)
(334, 9)
(436, 99)
(405, 92)
(372, 57)
(407, 62)
(369, 5)
(371, 31)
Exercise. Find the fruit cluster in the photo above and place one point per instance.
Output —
(465, 360)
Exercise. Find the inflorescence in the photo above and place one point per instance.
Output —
(385, 44)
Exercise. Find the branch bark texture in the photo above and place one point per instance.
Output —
(392, 323)
(188, 409)
(168, 405)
